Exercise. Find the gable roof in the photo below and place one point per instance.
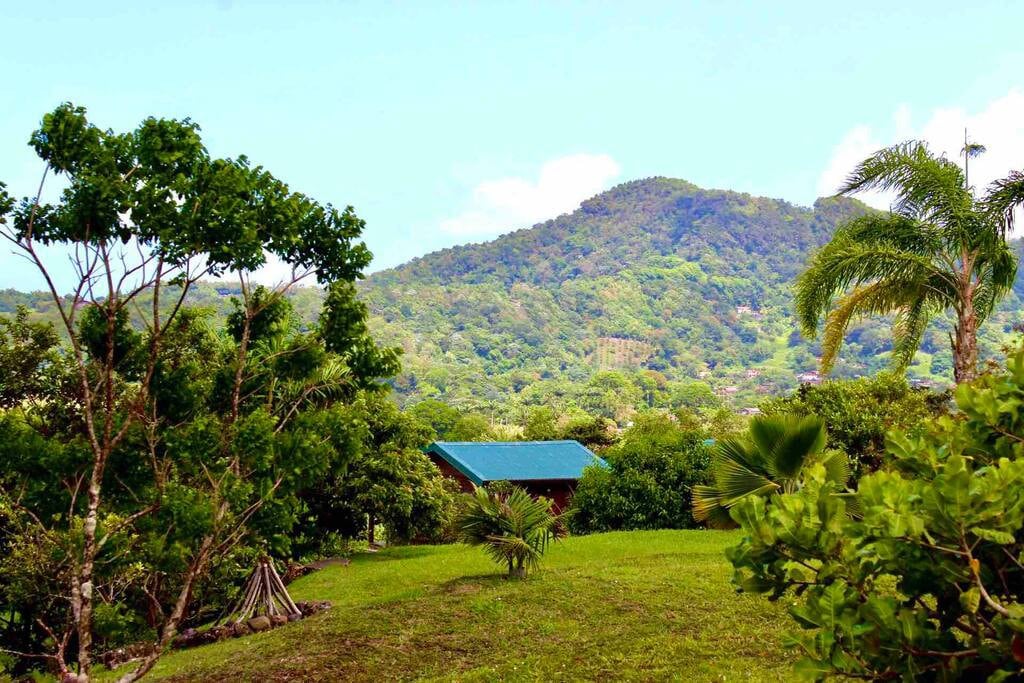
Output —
(484, 461)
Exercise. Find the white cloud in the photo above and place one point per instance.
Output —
(855, 146)
(999, 126)
(506, 204)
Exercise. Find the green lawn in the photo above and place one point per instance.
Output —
(639, 605)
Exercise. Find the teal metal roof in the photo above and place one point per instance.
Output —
(486, 461)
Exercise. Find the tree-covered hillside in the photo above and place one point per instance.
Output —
(655, 292)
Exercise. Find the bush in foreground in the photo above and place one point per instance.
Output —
(926, 584)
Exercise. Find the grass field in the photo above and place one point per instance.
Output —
(639, 605)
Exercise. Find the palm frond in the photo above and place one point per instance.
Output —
(770, 460)
(927, 187)
(739, 450)
(908, 328)
(708, 508)
(837, 466)
(1004, 197)
(803, 438)
(846, 262)
(881, 296)
(734, 482)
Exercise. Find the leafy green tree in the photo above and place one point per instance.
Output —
(27, 351)
(136, 464)
(693, 395)
(924, 583)
(387, 480)
(343, 328)
(939, 249)
(450, 424)
(513, 527)
(440, 416)
(772, 458)
(541, 425)
(593, 432)
(647, 483)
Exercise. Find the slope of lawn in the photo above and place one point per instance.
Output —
(638, 605)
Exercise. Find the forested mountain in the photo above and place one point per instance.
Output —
(655, 292)
(652, 292)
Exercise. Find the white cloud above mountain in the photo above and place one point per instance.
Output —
(504, 204)
(999, 125)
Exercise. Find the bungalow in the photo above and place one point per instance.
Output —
(543, 468)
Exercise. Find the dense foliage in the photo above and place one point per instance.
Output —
(154, 452)
(653, 294)
(858, 413)
(925, 583)
(648, 481)
(388, 481)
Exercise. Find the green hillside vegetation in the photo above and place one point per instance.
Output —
(674, 289)
(636, 605)
(656, 293)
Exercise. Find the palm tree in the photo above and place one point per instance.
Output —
(938, 249)
(512, 526)
(771, 459)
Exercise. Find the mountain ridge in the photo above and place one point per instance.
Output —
(653, 293)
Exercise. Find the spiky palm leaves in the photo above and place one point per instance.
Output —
(769, 460)
(938, 249)
(513, 527)
(1005, 196)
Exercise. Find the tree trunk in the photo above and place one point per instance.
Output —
(517, 572)
(82, 600)
(370, 524)
(965, 344)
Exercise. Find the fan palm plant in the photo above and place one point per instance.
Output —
(938, 249)
(513, 527)
(771, 459)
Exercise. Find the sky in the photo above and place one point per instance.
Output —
(451, 122)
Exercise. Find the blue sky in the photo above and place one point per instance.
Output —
(444, 123)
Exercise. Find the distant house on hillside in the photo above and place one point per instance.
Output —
(748, 311)
(811, 377)
(543, 468)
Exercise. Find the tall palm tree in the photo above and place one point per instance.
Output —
(771, 459)
(938, 249)
(512, 526)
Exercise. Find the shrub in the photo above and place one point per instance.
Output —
(513, 527)
(926, 583)
(647, 482)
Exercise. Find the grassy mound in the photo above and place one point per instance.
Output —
(638, 605)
